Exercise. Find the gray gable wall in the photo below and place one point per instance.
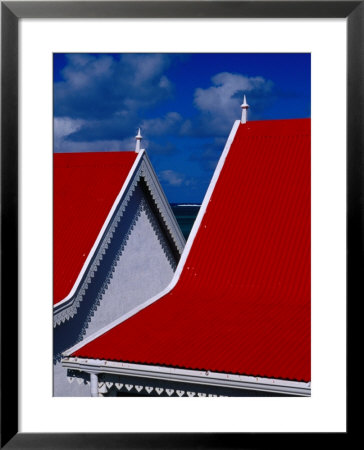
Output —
(144, 268)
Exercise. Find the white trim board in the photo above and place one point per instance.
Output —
(216, 379)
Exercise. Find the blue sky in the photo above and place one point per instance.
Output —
(185, 105)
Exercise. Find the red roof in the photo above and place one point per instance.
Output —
(242, 302)
(85, 188)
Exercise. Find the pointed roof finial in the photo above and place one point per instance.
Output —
(138, 138)
(244, 112)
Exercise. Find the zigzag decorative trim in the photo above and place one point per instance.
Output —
(144, 170)
(160, 201)
(143, 206)
(157, 230)
(106, 386)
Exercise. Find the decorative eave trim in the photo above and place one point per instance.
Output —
(103, 387)
(184, 255)
(162, 204)
(141, 168)
(215, 379)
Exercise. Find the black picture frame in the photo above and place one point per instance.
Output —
(11, 12)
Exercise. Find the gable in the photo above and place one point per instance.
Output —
(141, 176)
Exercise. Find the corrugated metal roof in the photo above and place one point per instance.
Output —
(242, 302)
(85, 188)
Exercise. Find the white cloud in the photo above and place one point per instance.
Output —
(161, 126)
(164, 83)
(85, 70)
(146, 67)
(171, 177)
(97, 146)
(220, 103)
(222, 96)
(98, 86)
(63, 127)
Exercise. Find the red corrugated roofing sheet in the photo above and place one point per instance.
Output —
(242, 303)
(85, 188)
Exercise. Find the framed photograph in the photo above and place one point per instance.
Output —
(202, 155)
(41, 78)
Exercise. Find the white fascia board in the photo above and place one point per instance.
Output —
(216, 379)
(101, 232)
(163, 206)
(185, 252)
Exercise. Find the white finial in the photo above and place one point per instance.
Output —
(244, 112)
(138, 138)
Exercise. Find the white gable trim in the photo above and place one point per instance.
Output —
(216, 379)
(142, 167)
(162, 204)
(185, 253)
